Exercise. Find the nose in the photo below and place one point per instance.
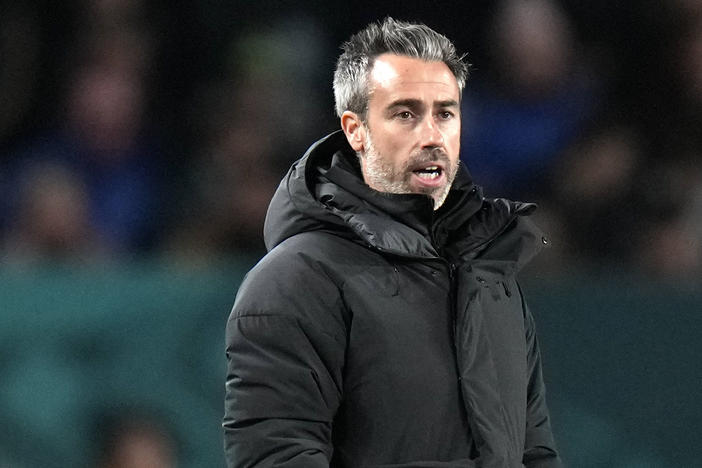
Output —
(431, 135)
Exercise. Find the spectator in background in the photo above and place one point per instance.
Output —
(538, 96)
(232, 181)
(101, 144)
(52, 221)
(594, 192)
(671, 244)
(134, 440)
(248, 140)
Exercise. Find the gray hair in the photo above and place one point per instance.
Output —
(389, 36)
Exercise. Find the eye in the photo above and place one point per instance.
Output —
(404, 115)
(445, 115)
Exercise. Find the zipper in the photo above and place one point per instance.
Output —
(453, 299)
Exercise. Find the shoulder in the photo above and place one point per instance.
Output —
(510, 233)
(315, 255)
(301, 278)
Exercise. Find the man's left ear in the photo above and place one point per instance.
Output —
(353, 128)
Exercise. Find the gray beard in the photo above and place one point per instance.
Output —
(383, 177)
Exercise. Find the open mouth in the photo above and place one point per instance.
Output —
(429, 172)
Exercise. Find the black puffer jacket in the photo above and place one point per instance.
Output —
(379, 333)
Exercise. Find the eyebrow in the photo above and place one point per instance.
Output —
(447, 103)
(416, 103)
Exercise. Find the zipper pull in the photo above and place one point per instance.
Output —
(452, 270)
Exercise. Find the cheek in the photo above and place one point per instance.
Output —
(452, 139)
(391, 145)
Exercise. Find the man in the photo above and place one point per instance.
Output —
(385, 326)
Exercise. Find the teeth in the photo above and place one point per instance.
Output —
(429, 172)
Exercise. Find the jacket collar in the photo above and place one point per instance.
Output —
(404, 224)
(324, 190)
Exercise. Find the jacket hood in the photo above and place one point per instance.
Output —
(324, 191)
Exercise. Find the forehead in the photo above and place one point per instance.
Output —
(398, 74)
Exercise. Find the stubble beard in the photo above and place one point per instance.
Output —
(382, 176)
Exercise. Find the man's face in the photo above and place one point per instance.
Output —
(412, 136)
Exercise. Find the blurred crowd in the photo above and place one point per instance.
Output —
(132, 128)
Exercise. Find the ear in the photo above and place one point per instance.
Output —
(355, 131)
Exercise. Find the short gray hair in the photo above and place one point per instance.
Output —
(389, 36)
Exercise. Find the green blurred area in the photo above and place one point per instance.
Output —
(75, 344)
(622, 361)
(621, 356)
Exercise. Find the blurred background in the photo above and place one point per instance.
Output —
(140, 143)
